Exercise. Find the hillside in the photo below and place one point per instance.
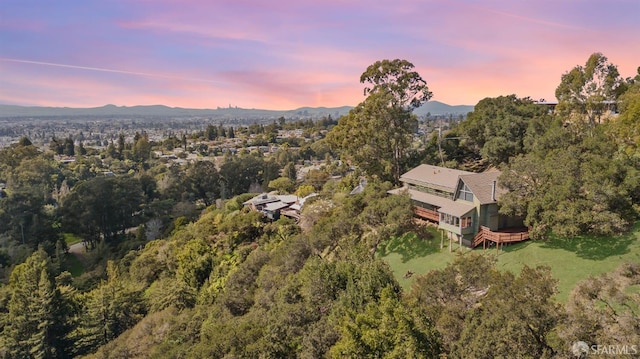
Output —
(433, 107)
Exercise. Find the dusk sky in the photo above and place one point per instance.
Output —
(287, 54)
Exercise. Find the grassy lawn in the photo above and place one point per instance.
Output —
(71, 238)
(75, 266)
(571, 260)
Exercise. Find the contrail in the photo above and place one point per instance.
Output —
(102, 69)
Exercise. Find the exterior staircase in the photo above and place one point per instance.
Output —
(511, 235)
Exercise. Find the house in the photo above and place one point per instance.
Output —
(609, 107)
(273, 205)
(463, 204)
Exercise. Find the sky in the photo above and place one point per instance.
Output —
(287, 54)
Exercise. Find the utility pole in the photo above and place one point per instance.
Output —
(440, 139)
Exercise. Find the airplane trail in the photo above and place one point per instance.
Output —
(102, 69)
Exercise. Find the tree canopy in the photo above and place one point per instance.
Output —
(500, 128)
(587, 91)
(577, 177)
(377, 134)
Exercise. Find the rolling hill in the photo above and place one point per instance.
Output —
(433, 107)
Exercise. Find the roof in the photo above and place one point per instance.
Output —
(287, 198)
(274, 206)
(481, 184)
(446, 205)
(261, 199)
(434, 176)
(456, 208)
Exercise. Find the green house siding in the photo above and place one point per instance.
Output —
(462, 203)
(450, 228)
(471, 230)
(489, 217)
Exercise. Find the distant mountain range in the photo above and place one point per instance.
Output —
(432, 107)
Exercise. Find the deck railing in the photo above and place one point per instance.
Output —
(429, 214)
(485, 234)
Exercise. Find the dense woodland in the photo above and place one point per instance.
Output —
(176, 267)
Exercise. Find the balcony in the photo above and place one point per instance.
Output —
(427, 214)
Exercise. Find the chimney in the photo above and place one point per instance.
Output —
(493, 191)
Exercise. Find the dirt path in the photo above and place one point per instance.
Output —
(77, 248)
(79, 251)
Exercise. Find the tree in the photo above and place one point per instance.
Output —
(283, 185)
(38, 317)
(290, 171)
(68, 147)
(195, 261)
(626, 129)
(121, 145)
(110, 309)
(316, 178)
(396, 77)
(446, 295)
(102, 207)
(80, 149)
(386, 329)
(570, 186)
(604, 310)
(514, 310)
(377, 134)
(202, 181)
(384, 216)
(55, 146)
(23, 213)
(497, 128)
(586, 92)
(141, 147)
(239, 173)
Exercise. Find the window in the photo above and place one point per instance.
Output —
(451, 220)
(466, 222)
(465, 193)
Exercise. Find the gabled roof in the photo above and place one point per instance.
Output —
(481, 184)
(433, 176)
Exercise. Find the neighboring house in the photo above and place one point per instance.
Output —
(273, 205)
(463, 204)
(610, 107)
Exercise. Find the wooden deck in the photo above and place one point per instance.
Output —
(428, 214)
(509, 235)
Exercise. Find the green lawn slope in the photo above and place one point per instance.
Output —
(571, 260)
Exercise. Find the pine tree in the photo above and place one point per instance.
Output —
(37, 322)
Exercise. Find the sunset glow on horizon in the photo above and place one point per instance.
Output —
(290, 54)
